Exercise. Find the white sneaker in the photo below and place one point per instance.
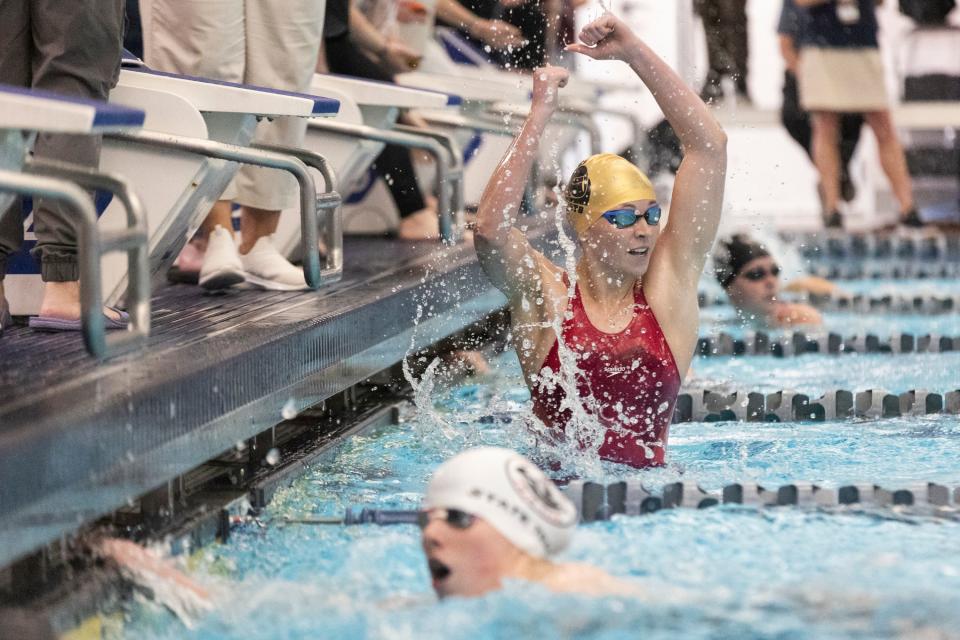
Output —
(221, 263)
(268, 269)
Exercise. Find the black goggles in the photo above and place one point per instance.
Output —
(454, 517)
(623, 218)
(759, 273)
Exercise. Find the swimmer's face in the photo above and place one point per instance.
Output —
(466, 562)
(755, 289)
(625, 251)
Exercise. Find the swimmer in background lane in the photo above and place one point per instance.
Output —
(491, 515)
(634, 314)
(751, 278)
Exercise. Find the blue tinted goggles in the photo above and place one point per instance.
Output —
(624, 218)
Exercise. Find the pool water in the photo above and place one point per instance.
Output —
(905, 286)
(723, 319)
(725, 572)
(813, 373)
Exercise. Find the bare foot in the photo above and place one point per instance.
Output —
(421, 225)
(62, 300)
(191, 256)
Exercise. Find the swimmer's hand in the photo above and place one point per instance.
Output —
(606, 38)
(169, 586)
(547, 82)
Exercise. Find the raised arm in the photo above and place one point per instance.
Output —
(506, 255)
(698, 191)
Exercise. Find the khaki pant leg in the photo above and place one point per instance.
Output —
(203, 38)
(283, 42)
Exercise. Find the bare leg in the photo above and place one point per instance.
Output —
(826, 156)
(191, 256)
(220, 214)
(255, 224)
(892, 158)
(421, 225)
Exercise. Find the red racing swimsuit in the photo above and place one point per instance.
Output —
(631, 376)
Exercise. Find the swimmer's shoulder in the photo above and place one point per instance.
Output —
(575, 577)
(797, 313)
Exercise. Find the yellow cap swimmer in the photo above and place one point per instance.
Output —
(600, 183)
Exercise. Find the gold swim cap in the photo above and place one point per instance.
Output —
(600, 183)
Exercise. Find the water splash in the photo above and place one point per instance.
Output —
(273, 457)
(289, 410)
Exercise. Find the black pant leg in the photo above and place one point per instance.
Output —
(795, 120)
(393, 164)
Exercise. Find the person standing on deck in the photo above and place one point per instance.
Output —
(841, 71)
(632, 321)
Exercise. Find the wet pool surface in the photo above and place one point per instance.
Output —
(723, 319)
(725, 572)
(814, 374)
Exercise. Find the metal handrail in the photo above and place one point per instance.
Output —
(91, 247)
(477, 123)
(329, 211)
(134, 240)
(583, 120)
(256, 157)
(449, 171)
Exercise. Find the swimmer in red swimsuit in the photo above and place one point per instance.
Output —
(630, 327)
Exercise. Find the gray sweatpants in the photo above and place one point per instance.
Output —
(73, 48)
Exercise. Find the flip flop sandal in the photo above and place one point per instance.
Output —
(49, 324)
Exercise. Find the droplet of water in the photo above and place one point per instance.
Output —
(289, 410)
(272, 457)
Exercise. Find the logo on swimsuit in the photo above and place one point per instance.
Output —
(615, 371)
(540, 493)
(578, 190)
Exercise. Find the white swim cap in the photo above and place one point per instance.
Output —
(509, 492)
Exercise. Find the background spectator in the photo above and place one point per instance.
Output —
(841, 71)
(725, 24)
(269, 44)
(73, 49)
(515, 31)
(797, 121)
(354, 47)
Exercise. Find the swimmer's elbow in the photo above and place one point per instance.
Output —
(489, 235)
(718, 141)
(491, 232)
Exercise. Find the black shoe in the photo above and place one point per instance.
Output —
(833, 221)
(912, 219)
(847, 191)
(712, 93)
(176, 275)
